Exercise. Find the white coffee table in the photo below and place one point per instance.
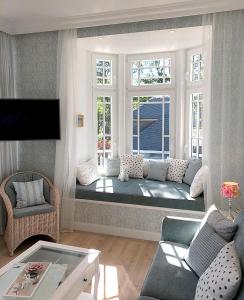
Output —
(72, 270)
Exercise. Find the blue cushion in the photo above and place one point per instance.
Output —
(192, 169)
(33, 210)
(23, 177)
(169, 277)
(141, 192)
(157, 170)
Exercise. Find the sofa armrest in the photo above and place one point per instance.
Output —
(179, 230)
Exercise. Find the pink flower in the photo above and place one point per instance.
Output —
(230, 190)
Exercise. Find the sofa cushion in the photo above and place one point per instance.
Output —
(86, 172)
(169, 277)
(239, 243)
(223, 226)
(112, 167)
(32, 210)
(141, 192)
(204, 248)
(177, 169)
(133, 163)
(192, 169)
(222, 278)
(157, 170)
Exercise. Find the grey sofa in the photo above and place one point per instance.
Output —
(169, 278)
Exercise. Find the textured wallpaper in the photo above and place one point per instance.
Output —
(36, 64)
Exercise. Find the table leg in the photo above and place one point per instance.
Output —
(96, 280)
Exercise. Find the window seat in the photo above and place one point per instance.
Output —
(141, 192)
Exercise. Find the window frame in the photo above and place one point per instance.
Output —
(150, 56)
(193, 87)
(189, 118)
(105, 90)
(103, 56)
(168, 92)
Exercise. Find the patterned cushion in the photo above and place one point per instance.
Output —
(203, 249)
(197, 186)
(133, 164)
(192, 169)
(87, 172)
(29, 193)
(177, 169)
(222, 278)
(224, 227)
(112, 167)
(157, 170)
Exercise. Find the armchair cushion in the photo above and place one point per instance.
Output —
(33, 210)
(24, 177)
(29, 193)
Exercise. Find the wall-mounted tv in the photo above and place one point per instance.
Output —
(29, 119)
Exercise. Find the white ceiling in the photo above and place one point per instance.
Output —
(25, 16)
(144, 42)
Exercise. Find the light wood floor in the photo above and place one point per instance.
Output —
(123, 263)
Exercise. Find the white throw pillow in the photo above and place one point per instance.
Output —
(145, 167)
(199, 181)
(222, 278)
(87, 172)
(133, 164)
(177, 169)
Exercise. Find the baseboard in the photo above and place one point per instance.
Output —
(118, 231)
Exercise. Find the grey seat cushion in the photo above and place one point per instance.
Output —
(169, 277)
(32, 210)
(239, 243)
(141, 192)
(23, 177)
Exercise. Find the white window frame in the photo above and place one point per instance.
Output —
(190, 53)
(105, 90)
(151, 56)
(193, 87)
(150, 90)
(168, 92)
(103, 56)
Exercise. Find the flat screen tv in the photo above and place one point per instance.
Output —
(29, 119)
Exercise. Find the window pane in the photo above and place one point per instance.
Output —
(197, 67)
(104, 72)
(103, 128)
(108, 119)
(152, 116)
(196, 125)
(151, 72)
(166, 118)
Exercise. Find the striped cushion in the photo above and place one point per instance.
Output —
(29, 193)
(203, 249)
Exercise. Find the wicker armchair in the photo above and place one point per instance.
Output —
(26, 222)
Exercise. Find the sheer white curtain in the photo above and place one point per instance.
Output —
(8, 150)
(65, 165)
(225, 130)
